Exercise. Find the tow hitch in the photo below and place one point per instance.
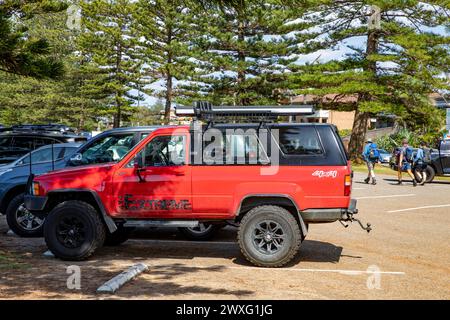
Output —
(349, 218)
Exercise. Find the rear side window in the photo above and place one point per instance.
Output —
(5, 143)
(299, 141)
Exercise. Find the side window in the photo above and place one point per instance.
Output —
(445, 146)
(233, 147)
(5, 143)
(108, 149)
(44, 155)
(299, 141)
(40, 142)
(23, 143)
(165, 151)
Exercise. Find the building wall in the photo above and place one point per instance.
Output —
(342, 119)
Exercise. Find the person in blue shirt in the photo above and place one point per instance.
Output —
(405, 162)
(420, 164)
(371, 156)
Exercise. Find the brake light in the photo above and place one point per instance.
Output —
(347, 185)
(36, 188)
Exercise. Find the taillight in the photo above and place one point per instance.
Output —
(347, 185)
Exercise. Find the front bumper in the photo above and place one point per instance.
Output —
(329, 215)
(35, 203)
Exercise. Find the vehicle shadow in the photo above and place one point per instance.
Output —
(310, 251)
(408, 180)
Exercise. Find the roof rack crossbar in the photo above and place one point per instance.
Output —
(205, 111)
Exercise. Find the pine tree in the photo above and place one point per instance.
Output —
(394, 73)
(166, 29)
(20, 53)
(27, 100)
(110, 45)
(246, 48)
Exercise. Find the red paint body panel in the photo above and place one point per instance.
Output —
(198, 191)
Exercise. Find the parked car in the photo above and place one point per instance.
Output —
(385, 157)
(13, 179)
(165, 181)
(19, 140)
(440, 160)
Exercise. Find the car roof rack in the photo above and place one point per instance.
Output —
(39, 128)
(202, 110)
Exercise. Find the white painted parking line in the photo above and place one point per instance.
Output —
(358, 188)
(343, 271)
(420, 208)
(389, 196)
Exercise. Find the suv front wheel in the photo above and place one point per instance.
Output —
(269, 236)
(21, 221)
(73, 230)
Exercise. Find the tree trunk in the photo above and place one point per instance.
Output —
(169, 79)
(361, 121)
(241, 73)
(168, 99)
(356, 145)
(118, 115)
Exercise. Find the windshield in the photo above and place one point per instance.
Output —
(107, 149)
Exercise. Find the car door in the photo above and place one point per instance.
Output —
(445, 156)
(161, 188)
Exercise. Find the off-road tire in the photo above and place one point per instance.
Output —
(201, 236)
(431, 173)
(118, 237)
(13, 223)
(279, 216)
(79, 213)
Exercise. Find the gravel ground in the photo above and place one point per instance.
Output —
(406, 256)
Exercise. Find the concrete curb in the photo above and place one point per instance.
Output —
(115, 283)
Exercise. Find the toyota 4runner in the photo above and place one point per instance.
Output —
(272, 179)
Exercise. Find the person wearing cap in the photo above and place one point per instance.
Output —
(371, 156)
(405, 162)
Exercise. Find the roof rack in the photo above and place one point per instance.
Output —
(50, 128)
(206, 111)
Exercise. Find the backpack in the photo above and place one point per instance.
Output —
(409, 154)
(374, 153)
(426, 155)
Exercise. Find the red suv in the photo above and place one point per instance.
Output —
(272, 179)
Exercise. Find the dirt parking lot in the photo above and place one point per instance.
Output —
(406, 256)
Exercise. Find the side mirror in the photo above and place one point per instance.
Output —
(138, 162)
(76, 157)
(138, 165)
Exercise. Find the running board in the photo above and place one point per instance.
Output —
(161, 223)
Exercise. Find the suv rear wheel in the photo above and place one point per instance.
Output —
(21, 221)
(73, 230)
(269, 236)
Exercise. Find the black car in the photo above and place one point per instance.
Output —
(19, 140)
(440, 160)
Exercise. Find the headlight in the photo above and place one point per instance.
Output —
(35, 190)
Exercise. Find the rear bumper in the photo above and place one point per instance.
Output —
(328, 215)
(35, 203)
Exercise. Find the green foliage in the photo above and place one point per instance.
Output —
(397, 70)
(245, 48)
(108, 41)
(20, 52)
(389, 142)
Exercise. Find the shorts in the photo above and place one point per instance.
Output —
(370, 165)
(406, 166)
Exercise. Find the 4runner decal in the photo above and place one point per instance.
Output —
(128, 203)
(325, 174)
